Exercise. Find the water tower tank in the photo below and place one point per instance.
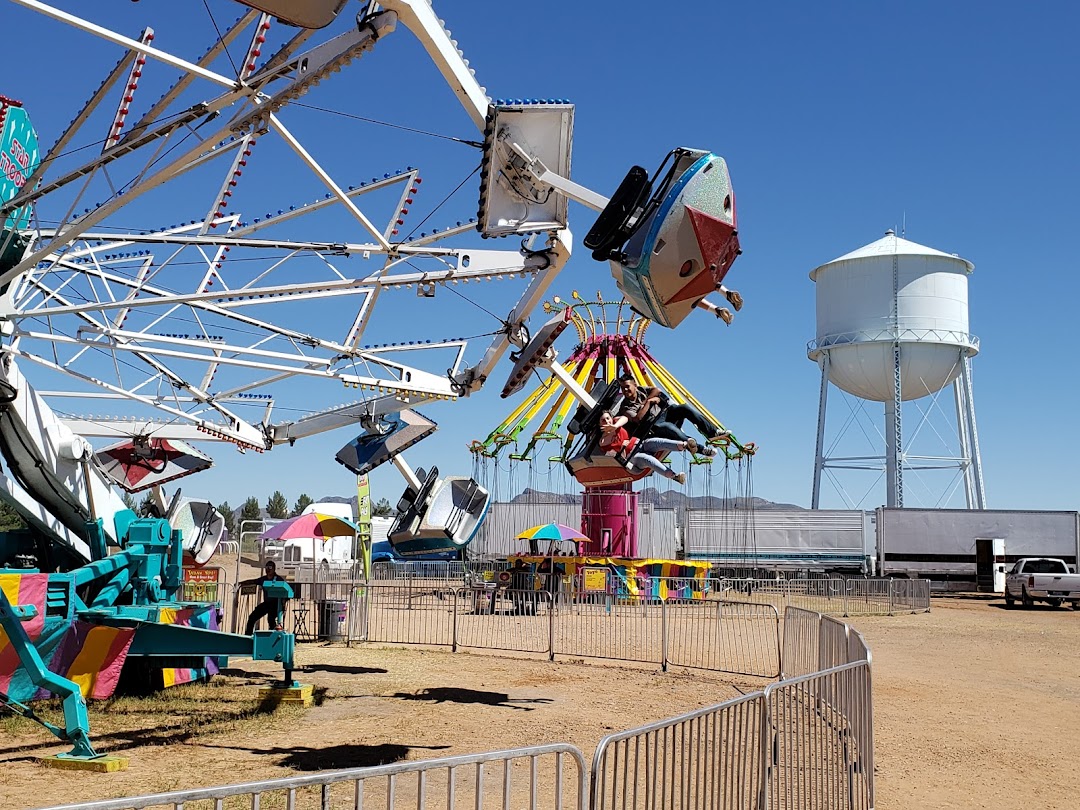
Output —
(893, 290)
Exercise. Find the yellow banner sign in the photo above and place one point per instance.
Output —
(595, 579)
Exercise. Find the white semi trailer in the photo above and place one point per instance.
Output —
(819, 540)
(965, 548)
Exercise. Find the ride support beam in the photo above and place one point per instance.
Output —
(76, 721)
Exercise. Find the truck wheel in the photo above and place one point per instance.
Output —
(1009, 601)
(1027, 600)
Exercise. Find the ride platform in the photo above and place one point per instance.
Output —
(106, 763)
(302, 695)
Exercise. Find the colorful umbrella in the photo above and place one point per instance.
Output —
(313, 524)
(144, 462)
(551, 531)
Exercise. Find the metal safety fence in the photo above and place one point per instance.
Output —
(327, 609)
(543, 777)
(668, 628)
(724, 625)
(805, 741)
(735, 637)
(834, 595)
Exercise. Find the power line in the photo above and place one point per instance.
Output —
(465, 141)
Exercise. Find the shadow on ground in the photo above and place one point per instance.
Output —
(344, 670)
(451, 694)
(179, 731)
(335, 757)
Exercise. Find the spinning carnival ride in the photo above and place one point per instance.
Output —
(216, 326)
(610, 344)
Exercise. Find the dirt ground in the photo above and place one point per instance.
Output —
(975, 707)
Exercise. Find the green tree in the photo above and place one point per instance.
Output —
(302, 503)
(130, 502)
(9, 518)
(229, 517)
(277, 507)
(146, 506)
(250, 511)
(381, 508)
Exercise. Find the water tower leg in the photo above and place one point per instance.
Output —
(894, 449)
(966, 465)
(973, 434)
(819, 457)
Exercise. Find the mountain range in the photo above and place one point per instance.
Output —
(661, 499)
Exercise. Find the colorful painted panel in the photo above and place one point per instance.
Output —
(92, 656)
(632, 578)
(18, 158)
(203, 616)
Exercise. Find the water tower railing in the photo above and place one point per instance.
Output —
(886, 333)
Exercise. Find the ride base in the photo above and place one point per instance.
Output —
(299, 695)
(106, 763)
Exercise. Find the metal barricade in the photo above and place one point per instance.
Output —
(805, 741)
(710, 759)
(801, 648)
(680, 627)
(504, 619)
(410, 612)
(819, 745)
(542, 777)
(603, 625)
(738, 637)
(862, 596)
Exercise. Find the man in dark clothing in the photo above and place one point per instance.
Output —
(521, 588)
(274, 608)
(638, 405)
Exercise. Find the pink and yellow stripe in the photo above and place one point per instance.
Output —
(92, 656)
(24, 590)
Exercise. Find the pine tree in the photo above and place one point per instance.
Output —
(250, 510)
(9, 518)
(130, 502)
(302, 503)
(277, 507)
(229, 517)
(381, 508)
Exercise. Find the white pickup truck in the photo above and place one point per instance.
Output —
(1042, 579)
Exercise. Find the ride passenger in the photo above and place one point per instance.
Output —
(638, 405)
(274, 609)
(639, 456)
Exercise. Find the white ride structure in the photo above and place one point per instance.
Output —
(218, 327)
(892, 326)
(182, 331)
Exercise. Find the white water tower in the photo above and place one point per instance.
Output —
(892, 326)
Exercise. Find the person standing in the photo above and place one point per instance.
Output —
(272, 607)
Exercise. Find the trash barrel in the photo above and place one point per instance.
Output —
(332, 614)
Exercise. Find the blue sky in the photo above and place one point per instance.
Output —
(837, 120)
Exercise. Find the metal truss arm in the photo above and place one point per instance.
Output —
(557, 255)
(420, 18)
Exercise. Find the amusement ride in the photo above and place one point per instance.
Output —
(556, 424)
(203, 328)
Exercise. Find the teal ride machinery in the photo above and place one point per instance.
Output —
(131, 595)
